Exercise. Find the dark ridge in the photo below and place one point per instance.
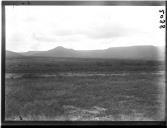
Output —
(147, 52)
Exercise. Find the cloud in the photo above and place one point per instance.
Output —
(81, 27)
(97, 32)
(43, 38)
(109, 31)
(16, 38)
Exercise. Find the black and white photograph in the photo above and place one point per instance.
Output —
(84, 63)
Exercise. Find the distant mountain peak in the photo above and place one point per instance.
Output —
(60, 47)
(57, 48)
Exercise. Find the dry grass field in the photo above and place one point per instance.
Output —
(40, 88)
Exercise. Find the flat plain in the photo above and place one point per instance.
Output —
(49, 88)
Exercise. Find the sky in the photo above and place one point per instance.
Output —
(41, 28)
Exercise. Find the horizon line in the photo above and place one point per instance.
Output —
(84, 49)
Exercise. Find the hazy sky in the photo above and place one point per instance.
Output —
(30, 28)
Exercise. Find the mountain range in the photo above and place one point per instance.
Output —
(132, 52)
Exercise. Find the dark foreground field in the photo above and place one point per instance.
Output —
(38, 88)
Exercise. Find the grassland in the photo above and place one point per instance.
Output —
(125, 90)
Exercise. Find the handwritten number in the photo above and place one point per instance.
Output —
(161, 11)
(162, 20)
(161, 16)
(162, 26)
